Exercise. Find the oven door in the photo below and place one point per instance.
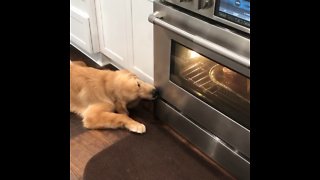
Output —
(203, 72)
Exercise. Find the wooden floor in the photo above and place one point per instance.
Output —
(84, 143)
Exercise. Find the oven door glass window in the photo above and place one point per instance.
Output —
(220, 87)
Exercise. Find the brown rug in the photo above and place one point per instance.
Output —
(155, 155)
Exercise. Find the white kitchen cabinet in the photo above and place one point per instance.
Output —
(118, 29)
(114, 25)
(142, 33)
(83, 26)
(126, 36)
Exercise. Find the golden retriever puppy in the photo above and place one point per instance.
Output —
(101, 97)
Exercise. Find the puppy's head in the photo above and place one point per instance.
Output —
(133, 88)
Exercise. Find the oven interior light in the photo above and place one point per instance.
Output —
(193, 54)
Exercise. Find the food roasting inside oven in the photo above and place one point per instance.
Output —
(212, 82)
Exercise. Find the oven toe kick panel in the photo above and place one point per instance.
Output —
(210, 144)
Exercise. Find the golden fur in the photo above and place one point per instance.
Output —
(101, 96)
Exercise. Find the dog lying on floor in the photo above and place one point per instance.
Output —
(101, 97)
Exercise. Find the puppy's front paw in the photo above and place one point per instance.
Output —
(137, 128)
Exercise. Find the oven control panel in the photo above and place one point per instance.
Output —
(233, 13)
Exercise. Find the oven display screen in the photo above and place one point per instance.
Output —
(237, 11)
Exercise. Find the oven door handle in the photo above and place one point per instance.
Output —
(156, 18)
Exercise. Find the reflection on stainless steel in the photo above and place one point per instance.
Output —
(208, 8)
(203, 42)
(210, 144)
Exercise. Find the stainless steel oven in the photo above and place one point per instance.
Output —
(202, 70)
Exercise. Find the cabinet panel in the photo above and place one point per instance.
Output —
(142, 39)
(113, 28)
(83, 25)
(125, 34)
(80, 29)
(80, 4)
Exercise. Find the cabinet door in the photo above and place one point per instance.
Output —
(80, 29)
(142, 39)
(83, 26)
(114, 27)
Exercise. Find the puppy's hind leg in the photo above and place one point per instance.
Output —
(100, 116)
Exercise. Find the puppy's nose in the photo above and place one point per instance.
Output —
(155, 93)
